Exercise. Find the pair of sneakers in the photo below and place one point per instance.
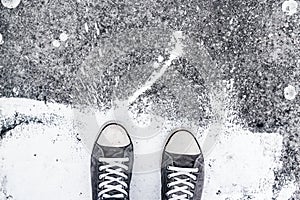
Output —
(182, 166)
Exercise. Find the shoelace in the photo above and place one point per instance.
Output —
(114, 169)
(185, 183)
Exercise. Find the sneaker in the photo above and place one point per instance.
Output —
(182, 170)
(111, 163)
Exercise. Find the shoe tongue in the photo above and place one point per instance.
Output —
(113, 152)
(182, 160)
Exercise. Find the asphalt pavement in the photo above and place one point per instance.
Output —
(185, 60)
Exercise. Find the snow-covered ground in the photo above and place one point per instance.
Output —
(49, 157)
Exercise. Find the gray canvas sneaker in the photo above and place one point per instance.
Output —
(111, 163)
(182, 170)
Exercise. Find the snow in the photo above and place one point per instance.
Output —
(63, 37)
(10, 3)
(287, 191)
(290, 7)
(242, 164)
(160, 58)
(1, 39)
(39, 164)
(290, 92)
(51, 161)
(56, 43)
(86, 27)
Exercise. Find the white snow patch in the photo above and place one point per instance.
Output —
(15, 91)
(241, 162)
(44, 162)
(63, 37)
(287, 192)
(290, 7)
(10, 3)
(290, 92)
(9, 106)
(160, 58)
(1, 39)
(56, 43)
(86, 27)
(97, 28)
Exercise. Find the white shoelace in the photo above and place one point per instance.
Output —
(114, 173)
(184, 182)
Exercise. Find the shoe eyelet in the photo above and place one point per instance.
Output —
(169, 176)
(168, 185)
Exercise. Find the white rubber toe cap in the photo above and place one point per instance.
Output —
(183, 142)
(113, 135)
